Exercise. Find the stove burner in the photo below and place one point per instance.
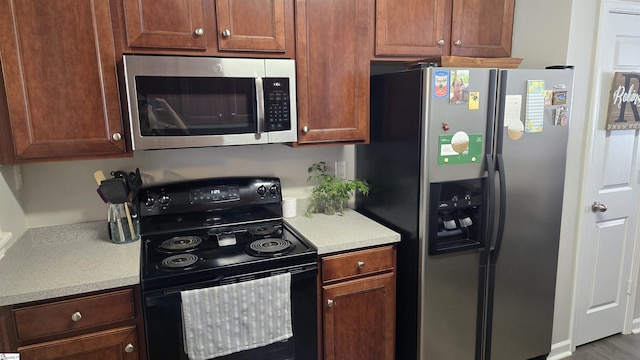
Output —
(270, 246)
(181, 243)
(179, 261)
(263, 230)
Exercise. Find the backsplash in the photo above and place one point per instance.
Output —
(65, 192)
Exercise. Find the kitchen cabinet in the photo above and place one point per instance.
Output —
(59, 87)
(358, 304)
(177, 24)
(252, 28)
(422, 28)
(333, 47)
(246, 25)
(106, 345)
(106, 325)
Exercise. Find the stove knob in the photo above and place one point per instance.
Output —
(149, 201)
(164, 199)
(273, 190)
(262, 190)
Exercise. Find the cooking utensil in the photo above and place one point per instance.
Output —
(99, 176)
(129, 221)
(114, 190)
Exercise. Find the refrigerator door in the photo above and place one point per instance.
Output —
(452, 283)
(531, 157)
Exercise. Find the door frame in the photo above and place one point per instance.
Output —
(606, 6)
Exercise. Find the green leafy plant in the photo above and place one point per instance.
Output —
(331, 193)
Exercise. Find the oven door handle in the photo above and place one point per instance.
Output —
(260, 110)
(158, 297)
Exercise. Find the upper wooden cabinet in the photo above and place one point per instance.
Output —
(333, 50)
(172, 24)
(59, 85)
(251, 25)
(422, 28)
(217, 28)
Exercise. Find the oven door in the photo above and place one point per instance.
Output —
(163, 319)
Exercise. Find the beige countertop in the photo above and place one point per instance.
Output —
(64, 260)
(335, 233)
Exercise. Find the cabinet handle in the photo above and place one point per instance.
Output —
(440, 42)
(360, 264)
(129, 348)
(199, 31)
(116, 136)
(330, 303)
(76, 316)
(458, 43)
(305, 129)
(226, 33)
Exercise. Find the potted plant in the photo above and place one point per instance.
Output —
(331, 192)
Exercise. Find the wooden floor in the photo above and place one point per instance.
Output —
(617, 347)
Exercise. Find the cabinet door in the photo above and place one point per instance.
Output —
(251, 25)
(482, 28)
(169, 24)
(412, 27)
(116, 344)
(359, 318)
(59, 73)
(333, 48)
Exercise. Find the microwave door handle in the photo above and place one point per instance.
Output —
(260, 106)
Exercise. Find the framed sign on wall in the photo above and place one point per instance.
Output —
(623, 102)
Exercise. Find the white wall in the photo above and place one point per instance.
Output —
(65, 192)
(12, 217)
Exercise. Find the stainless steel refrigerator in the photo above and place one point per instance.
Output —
(469, 165)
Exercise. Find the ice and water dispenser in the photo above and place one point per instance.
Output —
(456, 216)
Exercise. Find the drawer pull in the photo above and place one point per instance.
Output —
(129, 348)
(76, 316)
(330, 303)
(360, 264)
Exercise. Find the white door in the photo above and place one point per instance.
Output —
(607, 238)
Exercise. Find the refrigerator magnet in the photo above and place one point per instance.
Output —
(515, 130)
(459, 87)
(561, 116)
(440, 83)
(548, 97)
(474, 100)
(559, 97)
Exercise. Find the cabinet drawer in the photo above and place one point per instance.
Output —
(61, 316)
(357, 263)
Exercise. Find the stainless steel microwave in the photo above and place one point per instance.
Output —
(179, 102)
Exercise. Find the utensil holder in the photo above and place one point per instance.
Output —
(124, 227)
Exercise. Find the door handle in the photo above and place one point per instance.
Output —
(598, 207)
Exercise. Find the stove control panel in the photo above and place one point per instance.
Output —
(209, 194)
(220, 193)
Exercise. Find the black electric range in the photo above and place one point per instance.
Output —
(216, 232)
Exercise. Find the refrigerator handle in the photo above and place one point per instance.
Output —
(490, 200)
(501, 210)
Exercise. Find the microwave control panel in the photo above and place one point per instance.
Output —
(277, 104)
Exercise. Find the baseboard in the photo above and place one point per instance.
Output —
(560, 350)
(635, 326)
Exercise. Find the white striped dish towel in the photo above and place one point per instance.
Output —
(226, 319)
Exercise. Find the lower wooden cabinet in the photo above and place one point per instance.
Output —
(102, 326)
(113, 344)
(358, 304)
